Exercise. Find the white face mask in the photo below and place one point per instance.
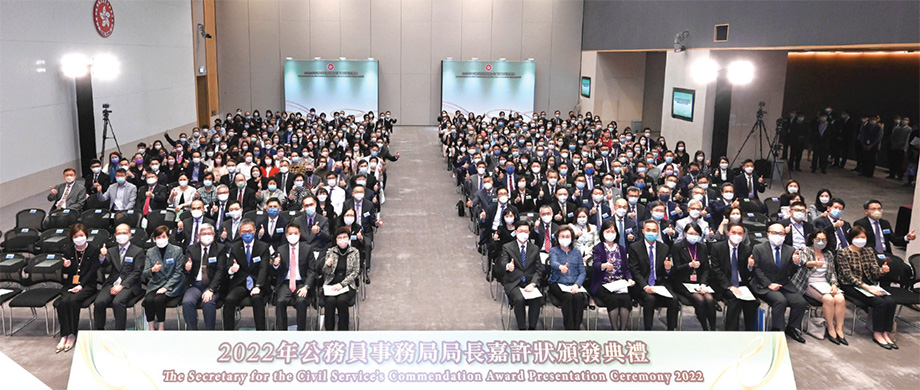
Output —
(799, 216)
(487, 186)
(321, 198)
(79, 241)
(735, 217)
(824, 199)
(162, 242)
(582, 221)
(793, 190)
(509, 220)
(223, 197)
(777, 240)
(183, 183)
(546, 218)
(736, 238)
(359, 196)
(348, 220)
(695, 213)
(151, 181)
(522, 237)
(342, 242)
(729, 195)
(565, 242)
(503, 199)
(693, 238)
(859, 242)
(196, 214)
(293, 238)
(723, 166)
(96, 169)
(206, 239)
(820, 245)
(610, 237)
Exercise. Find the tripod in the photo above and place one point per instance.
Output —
(106, 129)
(761, 130)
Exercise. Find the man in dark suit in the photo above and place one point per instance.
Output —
(271, 229)
(243, 194)
(152, 196)
(248, 276)
(204, 274)
(187, 229)
(748, 183)
(731, 269)
(484, 197)
(295, 270)
(726, 201)
(650, 266)
(598, 207)
(797, 227)
(125, 263)
(229, 179)
(823, 134)
(314, 226)
(833, 225)
(774, 265)
(637, 210)
(563, 209)
(523, 271)
(230, 229)
(880, 235)
(847, 129)
(69, 194)
(366, 217)
(627, 227)
(799, 132)
(195, 168)
(544, 230)
(89, 182)
(218, 210)
(285, 178)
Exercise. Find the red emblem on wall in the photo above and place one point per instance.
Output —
(104, 17)
(488, 67)
(330, 66)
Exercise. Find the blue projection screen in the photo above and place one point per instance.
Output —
(486, 88)
(327, 86)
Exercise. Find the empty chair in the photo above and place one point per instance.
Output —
(43, 287)
(99, 237)
(96, 219)
(11, 265)
(130, 217)
(20, 240)
(61, 219)
(161, 217)
(54, 241)
(30, 218)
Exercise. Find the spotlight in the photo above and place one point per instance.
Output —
(106, 67)
(75, 65)
(704, 70)
(740, 72)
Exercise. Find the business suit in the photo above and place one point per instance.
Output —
(187, 237)
(722, 280)
(169, 277)
(273, 235)
(765, 273)
(625, 227)
(286, 181)
(128, 197)
(836, 237)
(126, 272)
(563, 213)
(822, 135)
(525, 201)
(233, 231)
(76, 198)
(88, 183)
(742, 190)
(318, 241)
(84, 268)
(899, 270)
(212, 270)
(195, 172)
(156, 202)
(249, 197)
(641, 270)
(252, 273)
(703, 303)
(528, 271)
(366, 216)
(307, 266)
(806, 230)
(538, 235)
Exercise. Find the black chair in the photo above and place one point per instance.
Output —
(773, 207)
(130, 217)
(54, 240)
(859, 305)
(11, 265)
(96, 219)
(161, 217)
(256, 216)
(813, 306)
(45, 272)
(30, 218)
(98, 237)
(20, 240)
(755, 222)
(907, 296)
(61, 219)
(748, 205)
(290, 215)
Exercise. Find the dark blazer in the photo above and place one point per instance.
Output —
(87, 268)
(232, 236)
(765, 271)
(490, 214)
(249, 197)
(741, 186)
(184, 238)
(75, 199)
(600, 252)
(639, 265)
(275, 237)
(191, 166)
(825, 224)
(526, 202)
(288, 183)
(307, 264)
(570, 208)
(257, 269)
(806, 226)
(102, 179)
(539, 231)
(630, 228)
(128, 270)
(681, 272)
(720, 259)
(368, 214)
(531, 272)
(317, 241)
(157, 202)
(216, 265)
(890, 238)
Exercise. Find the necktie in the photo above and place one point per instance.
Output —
(480, 182)
(523, 261)
(751, 186)
(220, 215)
(271, 226)
(249, 281)
(284, 183)
(879, 238)
(248, 255)
(841, 239)
(204, 267)
(239, 197)
(498, 217)
(652, 265)
(309, 223)
(195, 233)
(622, 234)
(358, 214)
(735, 277)
(309, 184)
(546, 240)
(63, 202)
(600, 219)
(777, 258)
(510, 183)
(147, 203)
(292, 281)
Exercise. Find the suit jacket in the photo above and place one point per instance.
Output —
(102, 179)
(319, 240)
(275, 237)
(256, 267)
(640, 268)
(233, 236)
(216, 265)
(766, 272)
(526, 202)
(368, 215)
(630, 227)
(741, 186)
(191, 167)
(490, 214)
(353, 260)
(307, 264)
(523, 274)
(288, 182)
(170, 275)
(681, 272)
(884, 225)
(129, 194)
(184, 238)
(538, 235)
(807, 227)
(129, 269)
(87, 269)
(157, 202)
(482, 199)
(569, 216)
(249, 197)
(75, 199)
(825, 224)
(720, 259)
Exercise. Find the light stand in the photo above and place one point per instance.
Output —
(761, 130)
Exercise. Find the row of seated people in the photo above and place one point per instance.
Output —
(592, 198)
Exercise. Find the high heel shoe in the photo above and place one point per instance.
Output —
(59, 349)
(827, 335)
(842, 340)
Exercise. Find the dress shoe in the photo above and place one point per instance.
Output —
(893, 345)
(367, 279)
(795, 334)
(831, 339)
(880, 344)
(842, 340)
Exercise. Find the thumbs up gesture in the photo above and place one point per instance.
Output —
(261, 231)
(66, 263)
(103, 252)
(156, 267)
(329, 261)
(223, 235)
(54, 191)
(235, 267)
(796, 258)
(188, 265)
(97, 186)
(751, 261)
(912, 235)
(510, 266)
(885, 268)
(315, 229)
(180, 226)
(695, 264)
(277, 261)
(564, 268)
(668, 264)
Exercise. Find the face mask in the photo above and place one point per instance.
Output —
(876, 215)
(183, 183)
(272, 187)
(799, 216)
(582, 221)
(793, 190)
(693, 238)
(273, 211)
(859, 242)
(122, 239)
(777, 239)
(79, 241)
(563, 172)
(617, 170)
(836, 213)
(231, 168)
(141, 150)
(196, 160)
(694, 214)
(633, 200)
(553, 181)
(608, 183)
(523, 184)
(735, 217)
(589, 171)
(359, 196)
(698, 197)
(562, 198)
(658, 215)
(207, 183)
(207, 239)
(671, 184)
(121, 179)
(723, 166)
(151, 181)
(248, 160)
(96, 169)
(240, 184)
(210, 153)
(223, 197)
(162, 242)
(736, 238)
(487, 186)
(820, 245)
(824, 199)
(669, 159)
(503, 199)
(196, 213)
(651, 236)
(565, 242)
(664, 197)
(729, 195)
(293, 238)
(749, 170)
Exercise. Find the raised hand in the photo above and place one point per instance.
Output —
(235, 267)
(156, 267)
(188, 265)
(54, 191)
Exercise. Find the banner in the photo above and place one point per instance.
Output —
(486, 88)
(418, 360)
(327, 86)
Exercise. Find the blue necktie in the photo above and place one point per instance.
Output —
(777, 258)
(600, 218)
(735, 276)
(651, 262)
(249, 281)
(879, 238)
(841, 239)
(523, 261)
(622, 233)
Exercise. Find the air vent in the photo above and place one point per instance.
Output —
(721, 33)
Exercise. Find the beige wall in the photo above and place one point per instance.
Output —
(696, 134)
(408, 37)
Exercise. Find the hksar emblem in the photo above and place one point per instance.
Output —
(104, 17)
(488, 67)
(330, 67)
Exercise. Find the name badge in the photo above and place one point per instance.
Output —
(528, 197)
(279, 230)
(886, 231)
(76, 279)
(747, 200)
(693, 277)
(604, 215)
(256, 259)
(882, 257)
(170, 261)
(212, 260)
(570, 215)
(353, 237)
(367, 214)
(129, 259)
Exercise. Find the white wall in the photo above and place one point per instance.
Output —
(408, 37)
(589, 69)
(696, 134)
(155, 91)
(617, 86)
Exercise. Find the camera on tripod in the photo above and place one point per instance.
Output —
(105, 110)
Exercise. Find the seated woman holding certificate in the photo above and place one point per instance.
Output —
(691, 271)
(611, 280)
(340, 270)
(566, 278)
(859, 273)
(818, 280)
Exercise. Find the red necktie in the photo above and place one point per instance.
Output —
(546, 241)
(147, 203)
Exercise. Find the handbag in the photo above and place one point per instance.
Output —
(816, 327)
(461, 210)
